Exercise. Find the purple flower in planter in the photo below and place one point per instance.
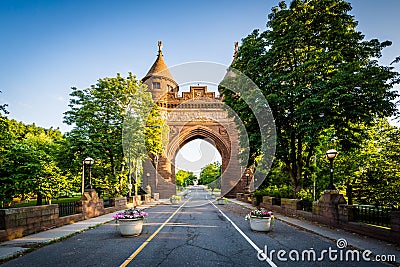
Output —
(131, 214)
(260, 213)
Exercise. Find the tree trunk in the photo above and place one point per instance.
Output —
(39, 199)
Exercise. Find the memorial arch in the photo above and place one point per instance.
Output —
(197, 114)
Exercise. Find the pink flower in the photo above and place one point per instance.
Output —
(259, 213)
(131, 214)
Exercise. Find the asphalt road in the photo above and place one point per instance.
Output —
(198, 234)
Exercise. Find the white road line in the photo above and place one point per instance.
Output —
(259, 251)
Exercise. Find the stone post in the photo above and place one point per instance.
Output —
(138, 200)
(147, 198)
(326, 209)
(92, 205)
(148, 189)
(395, 222)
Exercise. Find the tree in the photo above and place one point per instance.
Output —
(3, 108)
(3, 127)
(144, 135)
(317, 74)
(184, 178)
(98, 114)
(370, 173)
(210, 173)
(30, 164)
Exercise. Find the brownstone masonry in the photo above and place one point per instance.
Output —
(197, 114)
(18, 222)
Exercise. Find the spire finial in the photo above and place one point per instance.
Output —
(159, 47)
(236, 49)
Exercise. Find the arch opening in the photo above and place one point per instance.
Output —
(195, 154)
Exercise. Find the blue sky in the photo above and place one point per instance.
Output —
(47, 47)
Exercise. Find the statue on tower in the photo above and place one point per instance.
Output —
(159, 47)
(235, 53)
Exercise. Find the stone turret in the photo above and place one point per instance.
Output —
(158, 79)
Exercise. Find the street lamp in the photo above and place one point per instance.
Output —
(148, 177)
(247, 188)
(89, 161)
(331, 155)
(129, 177)
(83, 177)
(156, 159)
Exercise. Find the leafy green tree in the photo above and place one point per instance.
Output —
(210, 173)
(156, 134)
(370, 173)
(317, 73)
(143, 135)
(30, 161)
(4, 137)
(3, 108)
(184, 178)
(30, 164)
(98, 114)
(396, 60)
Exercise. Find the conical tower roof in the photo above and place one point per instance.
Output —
(159, 67)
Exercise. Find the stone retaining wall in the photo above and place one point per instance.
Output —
(119, 203)
(18, 222)
(331, 209)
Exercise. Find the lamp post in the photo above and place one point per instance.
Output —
(148, 177)
(129, 178)
(156, 159)
(89, 161)
(83, 177)
(331, 155)
(247, 182)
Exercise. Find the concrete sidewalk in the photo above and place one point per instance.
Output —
(14, 247)
(354, 241)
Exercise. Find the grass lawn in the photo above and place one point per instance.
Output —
(32, 202)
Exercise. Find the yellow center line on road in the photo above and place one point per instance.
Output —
(145, 243)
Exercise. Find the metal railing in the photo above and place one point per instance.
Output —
(68, 208)
(373, 215)
(306, 205)
(276, 201)
(108, 203)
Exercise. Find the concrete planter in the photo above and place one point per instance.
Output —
(221, 202)
(261, 224)
(130, 227)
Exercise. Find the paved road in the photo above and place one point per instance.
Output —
(198, 233)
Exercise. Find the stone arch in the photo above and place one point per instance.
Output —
(223, 136)
(200, 132)
(191, 133)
